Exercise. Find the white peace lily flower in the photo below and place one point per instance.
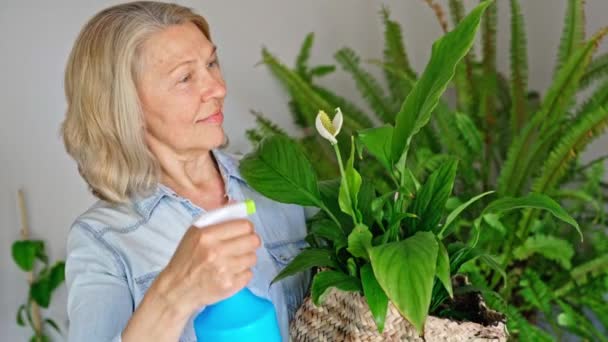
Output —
(328, 128)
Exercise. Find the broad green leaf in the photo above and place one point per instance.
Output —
(446, 53)
(360, 241)
(406, 270)
(449, 221)
(493, 221)
(25, 252)
(550, 247)
(349, 187)
(375, 296)
(20, 320)
(42, 289)
(330, 190)
(378, 143)
(325, 280)
(431, 198)
(532, 200)
(443, 268)
(279, 170)
(308, 258)
(366, 196)
(327, 229)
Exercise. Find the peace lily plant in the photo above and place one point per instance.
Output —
(387, 245)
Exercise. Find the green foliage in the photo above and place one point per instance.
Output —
(506, 138)
(46, 280)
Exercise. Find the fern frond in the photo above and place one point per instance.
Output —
(304, 55)
(583, 273)
(525, 152)
(428, 162)
(560, 94)
(456, 11)
(576, 322)
(448, 132)
(550, 247)
(573, 32)
(537, 293)
(519, 68)
(597, 304)
(265, 126)
(469, 132)
(488, 36)
(308, 102)
(395, 55)
(463, 78)
(351, 110)
(321, 70)
(598, 98)
(597, 69)
(254, 136)
(367, 84)
(439, 14)
(589, 126)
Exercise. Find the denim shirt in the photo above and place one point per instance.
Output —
(115, 252)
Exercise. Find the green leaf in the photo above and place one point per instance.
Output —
(420, 102)
(367, 195)
(537, 293)
(469, 132)
(349, 187)
(378, 142)
(431, 198)
(449, 221)
(405, 270)
(25, 252)
(329, 230)
(597, 69)
(375, 296)
(20, 311)
(53, 324)
(322, 70)
(360, 241)
(578, 323)
(460, 254)
(279, 170)
(325, 280)
(330, 190)
(308, 258)
(443, 268)
(42, 289)
(550, 247)
(532, 200)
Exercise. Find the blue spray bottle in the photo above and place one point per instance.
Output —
(244, 316)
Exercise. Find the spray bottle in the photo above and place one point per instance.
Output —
(244, 316)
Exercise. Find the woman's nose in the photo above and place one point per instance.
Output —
(214, 87)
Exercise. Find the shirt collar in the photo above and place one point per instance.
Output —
(229, 168)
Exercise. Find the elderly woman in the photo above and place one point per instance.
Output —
(145, 100)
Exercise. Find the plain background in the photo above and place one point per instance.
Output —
(36, 37)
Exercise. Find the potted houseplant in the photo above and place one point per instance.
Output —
(386, 256)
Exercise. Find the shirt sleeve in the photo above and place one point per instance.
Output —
(99, 300)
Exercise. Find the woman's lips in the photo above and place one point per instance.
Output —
(216, 118)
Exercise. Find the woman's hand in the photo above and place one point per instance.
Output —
(209, 264)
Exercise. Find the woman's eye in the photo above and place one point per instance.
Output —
(185, 78)
(213, 64)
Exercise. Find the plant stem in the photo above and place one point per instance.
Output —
(330, 215)
(25, 234)
(591, 163)
(343, 179)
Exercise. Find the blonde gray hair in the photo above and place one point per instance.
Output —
(103, 128)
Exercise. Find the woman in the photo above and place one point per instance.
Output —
(144, 123)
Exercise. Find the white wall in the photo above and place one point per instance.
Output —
(35, 39)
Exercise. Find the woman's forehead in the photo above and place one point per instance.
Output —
(175, 45)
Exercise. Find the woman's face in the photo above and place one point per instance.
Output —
(181, 91)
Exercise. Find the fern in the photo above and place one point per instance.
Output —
(598, 98)
(590, 125)
(304, 55)
(463, 78)
(597, 304)
(597, 69)
(524, 155)
(321, 70)
(367, 85)
(548, 246)
(396, 55)
(537, 293)
(469, 133)
(573, 33)
(308, 102)
(456, 11)
(488, 35)
(266, 127)
(254, 136)
(519, 69)
(583, 273)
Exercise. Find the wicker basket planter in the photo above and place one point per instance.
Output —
(345, 316)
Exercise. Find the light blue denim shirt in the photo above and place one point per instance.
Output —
(114, 253)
